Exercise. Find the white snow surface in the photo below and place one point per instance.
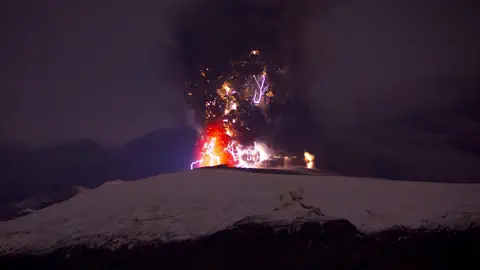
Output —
(195, 203)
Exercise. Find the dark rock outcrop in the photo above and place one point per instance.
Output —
(332, 245)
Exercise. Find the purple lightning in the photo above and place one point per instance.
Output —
(261, 89)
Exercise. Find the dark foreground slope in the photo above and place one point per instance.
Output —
(333, 245)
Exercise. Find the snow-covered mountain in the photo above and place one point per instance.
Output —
(195, 203)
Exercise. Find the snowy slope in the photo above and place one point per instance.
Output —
(195, 203)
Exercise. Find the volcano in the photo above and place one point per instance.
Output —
(174, 213)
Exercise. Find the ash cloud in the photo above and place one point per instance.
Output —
(382, 88)
(102, 70)
(212, 30)
(393, 87)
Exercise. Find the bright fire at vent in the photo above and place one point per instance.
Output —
(228, 137)
(218, 145)
(309, 160)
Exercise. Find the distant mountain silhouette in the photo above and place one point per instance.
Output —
(46, 175)
(162, 151)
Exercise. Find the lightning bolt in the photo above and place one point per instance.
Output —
(262, 88)
(207, 155)
(247, 157)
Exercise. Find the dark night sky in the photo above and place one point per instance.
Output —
(104, 70)
(392, 85)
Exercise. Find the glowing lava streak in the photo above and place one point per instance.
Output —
(213, 142)
(309, 160)
(262, 88)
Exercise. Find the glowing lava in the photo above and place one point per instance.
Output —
(237, 99)
(218, 148)
(213, 143)
(309, 160)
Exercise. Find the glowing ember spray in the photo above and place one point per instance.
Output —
(231, 117)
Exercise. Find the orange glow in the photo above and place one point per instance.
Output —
(216, 147)
(309, 160)
(213, 143)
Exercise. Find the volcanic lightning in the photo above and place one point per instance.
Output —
(208, 157)
(219, 143)
(261, 88)
(236, 107)
(220, 148)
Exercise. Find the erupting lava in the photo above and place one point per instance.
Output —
(309, 160)
(213, 144)
(218, 148)
(233, 112)
(218, 143)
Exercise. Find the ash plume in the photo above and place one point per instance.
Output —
(382, 88)
(393, 86)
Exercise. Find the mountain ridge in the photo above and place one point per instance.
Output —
(192, 204)
(54, 172)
